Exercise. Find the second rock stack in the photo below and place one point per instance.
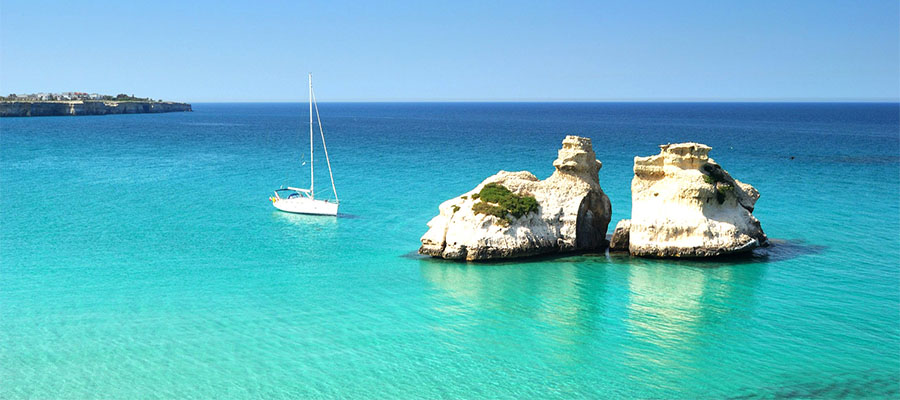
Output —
(683, 204)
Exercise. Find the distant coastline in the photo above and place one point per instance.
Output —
(28, 108)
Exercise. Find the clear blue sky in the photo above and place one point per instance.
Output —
(455, 50)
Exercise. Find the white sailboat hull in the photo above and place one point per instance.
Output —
(305, 205)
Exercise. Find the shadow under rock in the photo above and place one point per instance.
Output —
(777, 250)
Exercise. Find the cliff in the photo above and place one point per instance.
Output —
(683, 204)
(513, 214)
(57, 108)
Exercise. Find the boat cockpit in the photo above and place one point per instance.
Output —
(291, 193)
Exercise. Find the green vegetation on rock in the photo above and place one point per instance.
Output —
(501, 203)
(491, 209)
(714, 175)
(722, 190)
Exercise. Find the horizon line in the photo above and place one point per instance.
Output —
(662, 100)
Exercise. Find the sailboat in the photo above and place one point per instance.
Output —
(304, 201)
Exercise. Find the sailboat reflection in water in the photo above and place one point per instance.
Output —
(303, 201)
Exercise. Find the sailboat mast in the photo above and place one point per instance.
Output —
(327, 160)
(312, 176)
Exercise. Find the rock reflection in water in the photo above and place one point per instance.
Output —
(649, 315)
(679, 311)
(556, 305)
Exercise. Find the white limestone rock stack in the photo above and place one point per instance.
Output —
(573, 213)
(683, 204)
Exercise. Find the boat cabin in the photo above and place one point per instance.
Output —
(292, 193)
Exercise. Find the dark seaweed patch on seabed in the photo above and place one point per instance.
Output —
(776, 250)
(785, 249)
(863, 385)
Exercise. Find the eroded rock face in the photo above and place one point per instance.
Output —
(619, 240)
(573, 213)
(683, 204)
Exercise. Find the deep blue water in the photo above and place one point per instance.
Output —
(140, 258)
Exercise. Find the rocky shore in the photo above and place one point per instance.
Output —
(64, 108)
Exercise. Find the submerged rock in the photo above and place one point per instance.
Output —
(567, 211)
(683, 204)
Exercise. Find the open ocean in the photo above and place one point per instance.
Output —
(140, 258)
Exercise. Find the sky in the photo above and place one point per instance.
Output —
(217, 51)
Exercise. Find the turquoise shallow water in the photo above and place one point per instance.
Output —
(140, 258)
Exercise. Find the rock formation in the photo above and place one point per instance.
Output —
(78, 107)
(571, 212)
(619, 240)
(683, 204)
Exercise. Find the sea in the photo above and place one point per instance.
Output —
(140, 258)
